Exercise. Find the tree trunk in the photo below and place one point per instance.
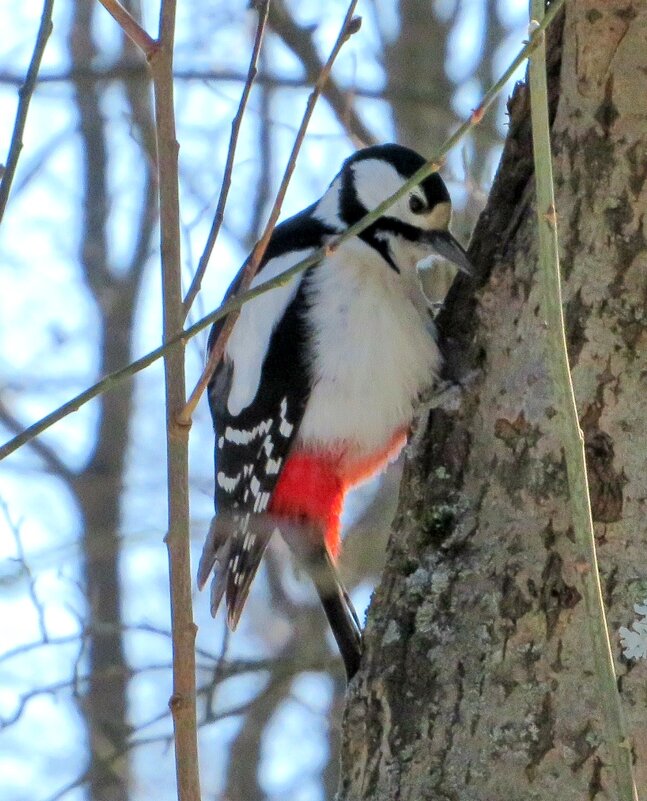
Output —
(98, 486)
(422, 118)
(477, 680)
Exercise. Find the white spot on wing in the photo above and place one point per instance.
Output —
(255, 486)
(272, 466)
(242, 436)
(285, 428)
(248, 541)
(228, 483)
(260, 504)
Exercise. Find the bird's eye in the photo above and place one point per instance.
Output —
(415, 204)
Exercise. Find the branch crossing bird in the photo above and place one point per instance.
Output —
(319, 381)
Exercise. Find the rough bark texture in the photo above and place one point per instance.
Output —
(477, 676)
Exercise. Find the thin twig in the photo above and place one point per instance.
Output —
(349, 26)
(131, 27)
(50, 457)
(22, 560)
(183, 699)
(229, 165)
(114, 379)
(299, 39)
(569, 427)
(24, 97)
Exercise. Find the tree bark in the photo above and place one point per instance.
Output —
(477, 675)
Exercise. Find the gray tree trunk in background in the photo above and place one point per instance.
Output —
(477, 681)
(420, 124)
(97, 488)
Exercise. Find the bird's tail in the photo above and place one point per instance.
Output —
(233, 549)
(306, 542)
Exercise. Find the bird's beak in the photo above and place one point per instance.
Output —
(449, 248)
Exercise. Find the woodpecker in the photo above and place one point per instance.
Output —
(319, 381)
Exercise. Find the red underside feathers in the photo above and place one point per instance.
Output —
(312, 486)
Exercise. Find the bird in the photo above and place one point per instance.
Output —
(319, 381)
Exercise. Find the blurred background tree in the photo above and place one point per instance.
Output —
(85, 668)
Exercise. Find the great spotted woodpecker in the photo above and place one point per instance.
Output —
(317, 388)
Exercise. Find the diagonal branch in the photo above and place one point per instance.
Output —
(229, 165)
(131, 27)
(113, 379)
(25, 93)
(349, 26)
(52, 460)
(299, 40)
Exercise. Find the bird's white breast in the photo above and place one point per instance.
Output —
(373, 350)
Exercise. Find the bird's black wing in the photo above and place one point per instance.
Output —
(252, 443)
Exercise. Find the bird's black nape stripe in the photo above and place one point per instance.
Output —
(405, 160)
(350, 208)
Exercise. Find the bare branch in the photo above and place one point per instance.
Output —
(229, 165)
(183, 699)
(52, 460)
(131, 27)
(25, 93)
(22, 559)
(299, 40)
(138, 94)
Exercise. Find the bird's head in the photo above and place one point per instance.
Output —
(414, 227)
